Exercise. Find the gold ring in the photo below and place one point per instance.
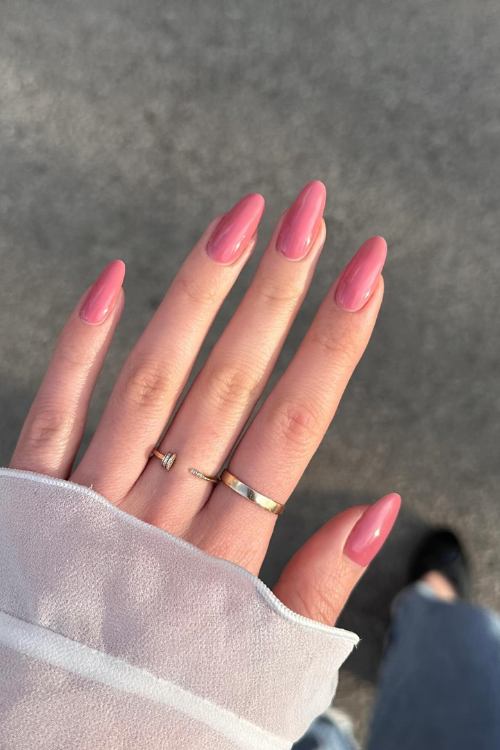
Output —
(201, 475)
(250, 494)
(167, 459)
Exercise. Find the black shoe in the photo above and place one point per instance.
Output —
(441, 551)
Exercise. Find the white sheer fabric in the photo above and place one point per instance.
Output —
(116, 634)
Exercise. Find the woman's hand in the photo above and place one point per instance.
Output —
(285, 432)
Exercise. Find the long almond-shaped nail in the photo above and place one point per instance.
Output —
(358, 278)
(301, 223)
(103, 293)
(235, 229)
(372, 529)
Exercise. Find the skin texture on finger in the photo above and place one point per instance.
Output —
(51, 434)
(157, 368)
(287, 430)
(221, 399)
(319, 578)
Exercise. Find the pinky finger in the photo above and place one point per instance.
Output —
(319, 578)
(51, 434)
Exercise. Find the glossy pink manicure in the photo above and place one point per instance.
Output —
(103, 293)
(301, 223)
(372, 529)
(235, 229)
(358, 278)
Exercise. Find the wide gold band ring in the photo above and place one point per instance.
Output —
(250, 494)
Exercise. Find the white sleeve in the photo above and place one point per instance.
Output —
(115, 634)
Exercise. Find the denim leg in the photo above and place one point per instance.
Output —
(330, 731)
(439, 686)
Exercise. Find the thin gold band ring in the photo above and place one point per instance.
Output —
(167, 459)
(201, 475)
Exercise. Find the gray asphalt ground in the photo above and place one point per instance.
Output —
(125, 127)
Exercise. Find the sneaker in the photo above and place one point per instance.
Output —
(441, 550)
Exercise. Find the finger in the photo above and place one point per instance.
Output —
(287, 430)
(234, 375)
(319, 578)
(51, 434)
(158, 366)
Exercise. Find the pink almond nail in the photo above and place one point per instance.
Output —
(358, 278)
(372, 529)
(103, 293)
(235, 229)
(301, 223)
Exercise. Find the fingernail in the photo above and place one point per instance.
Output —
(372, 529)
(358, 278)
(103, 293)
(235, 229)
(301, 223)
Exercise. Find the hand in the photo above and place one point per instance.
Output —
(284, 434)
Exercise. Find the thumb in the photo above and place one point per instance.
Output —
(319, 578)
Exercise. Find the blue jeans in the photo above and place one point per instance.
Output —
(439, 680)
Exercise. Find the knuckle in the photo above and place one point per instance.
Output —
(295, 423)
(341, 345)
(230, 386)
(275, 294)
(47, 428)
(198, 290)
(74, 357)
(318, 603)
(146, 384)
